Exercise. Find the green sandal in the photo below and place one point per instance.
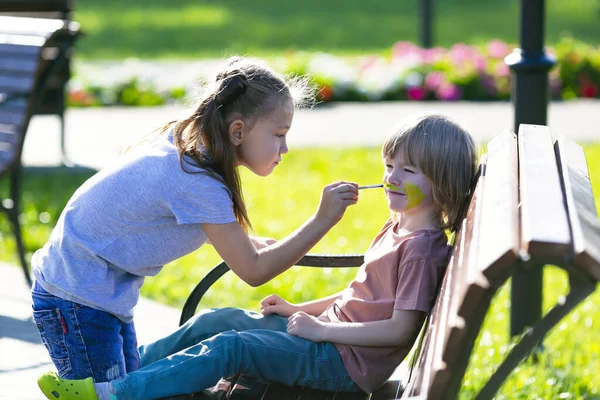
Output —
(56, 388)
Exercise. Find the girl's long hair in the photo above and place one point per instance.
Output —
(250, 90)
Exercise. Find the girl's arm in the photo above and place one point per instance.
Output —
(258, 241)
(274, 304)
(396, 331)
(256, 267)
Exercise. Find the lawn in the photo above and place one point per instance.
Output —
(186, 29)
(281, 202)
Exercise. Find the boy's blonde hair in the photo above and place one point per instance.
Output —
(445, 153)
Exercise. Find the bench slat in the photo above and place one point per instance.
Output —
(338, 261)
(276, 391)
(20, 44)
(392, 389)
(20, 65)
(430, 361)
(431, 365)
(7, 157)
(9, 129)
(35, 5)
(472, 287)
(11, 116)
(43, 27)
(498, 243)
(246, 388)
(581, 207)
(544, 225)
(16, 83)
(16, 103)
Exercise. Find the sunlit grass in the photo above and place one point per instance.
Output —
(280, 203)
(117, 29)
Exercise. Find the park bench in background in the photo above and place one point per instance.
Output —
(532, 206)
(25, 74)
(53, 101)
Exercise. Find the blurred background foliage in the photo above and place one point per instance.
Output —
(190, 29)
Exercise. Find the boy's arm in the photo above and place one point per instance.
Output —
(274, 304)
(316, 307)
(396, 331)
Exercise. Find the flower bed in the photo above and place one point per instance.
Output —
(408, 72)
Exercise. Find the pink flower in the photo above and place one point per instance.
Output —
(404, 48)
(434, 80)
(501, 70)
(415, 93)
(461, 53)
(432, 55)
(497, 49)
(449, 92)
(480, 63)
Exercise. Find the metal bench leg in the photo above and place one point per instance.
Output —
(13, 214)
(63, 151)
(580, 289)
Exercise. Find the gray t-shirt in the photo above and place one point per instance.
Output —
(125, 223)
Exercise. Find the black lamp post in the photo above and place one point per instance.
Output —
(529, 65)
(426, 25)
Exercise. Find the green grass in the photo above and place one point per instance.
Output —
(281, 202)
(116, 29)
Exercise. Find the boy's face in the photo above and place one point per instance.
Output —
(407, 189)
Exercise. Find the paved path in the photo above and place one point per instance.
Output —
(96, 137)
(22, 354)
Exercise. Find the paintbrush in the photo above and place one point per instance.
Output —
(380, 185)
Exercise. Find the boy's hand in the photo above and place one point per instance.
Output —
(335, 198)
(306, 326)
(274, 304)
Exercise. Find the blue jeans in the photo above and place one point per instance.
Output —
(83, 341)
(222, 342)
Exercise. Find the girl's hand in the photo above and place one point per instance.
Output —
(274, 304)
(335, 198)
(262, 242)
(306, 326)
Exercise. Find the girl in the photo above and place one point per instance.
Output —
(161, 202)
(350, 341)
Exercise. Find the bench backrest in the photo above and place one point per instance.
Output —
(53, 101)
(50, 9)
(22, 75)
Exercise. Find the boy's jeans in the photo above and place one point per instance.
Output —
(221, 342)
(83, 341)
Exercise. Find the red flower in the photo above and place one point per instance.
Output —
(326, 93)
(415, 93)
(588, 89)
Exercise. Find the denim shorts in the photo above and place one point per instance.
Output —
(83, 341)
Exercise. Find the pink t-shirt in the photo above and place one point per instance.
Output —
(401, 272)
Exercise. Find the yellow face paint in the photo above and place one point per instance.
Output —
(415, 195)
(413, 192)
(392, 187)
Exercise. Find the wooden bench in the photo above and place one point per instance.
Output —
(24, 77)
(53, 100)
(532, 205)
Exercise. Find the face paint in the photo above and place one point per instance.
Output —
(392, 187)
(415, 195)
